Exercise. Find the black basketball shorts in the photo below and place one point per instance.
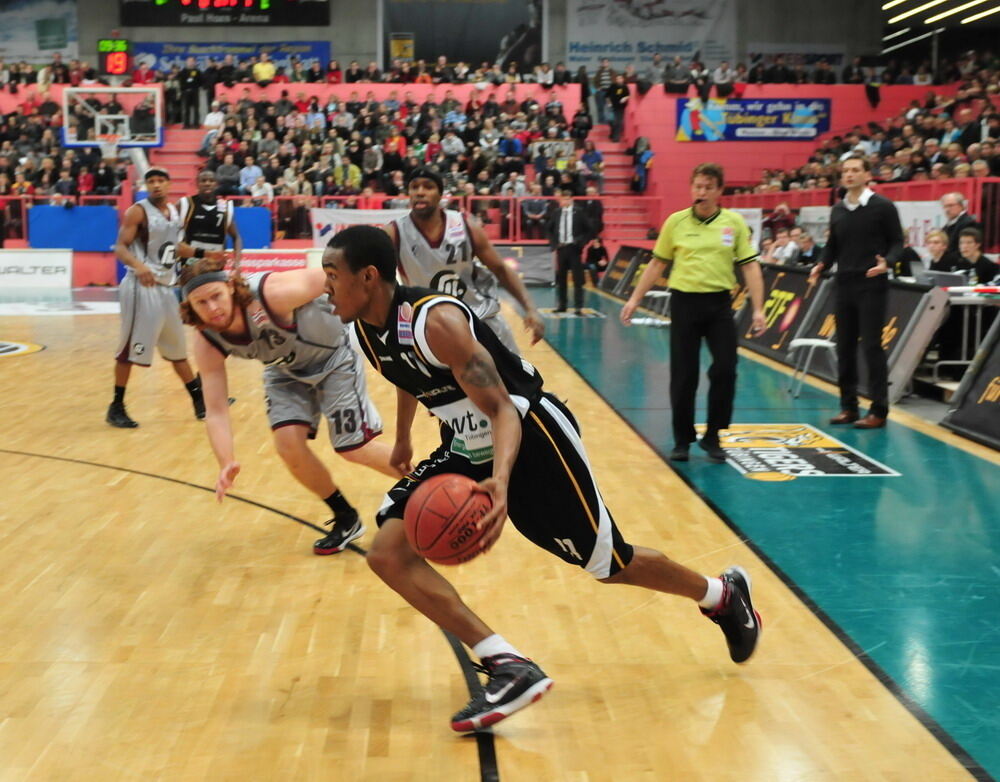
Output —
(552, 499)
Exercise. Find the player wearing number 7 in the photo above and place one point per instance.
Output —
(520, 443)
(285, 320)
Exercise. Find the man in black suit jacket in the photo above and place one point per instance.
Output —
(569, 231)
(593, 209)
(953, 205)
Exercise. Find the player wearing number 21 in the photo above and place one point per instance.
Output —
(284, 320)
(523, 446)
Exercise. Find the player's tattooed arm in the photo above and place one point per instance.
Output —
(480, 371)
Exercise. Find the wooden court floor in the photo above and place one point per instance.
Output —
(148, 633)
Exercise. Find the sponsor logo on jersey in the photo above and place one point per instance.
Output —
(784, 452)
(259, 317)
(450, 283)
(404, 324)
(728, 236)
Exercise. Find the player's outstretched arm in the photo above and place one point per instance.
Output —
(134, 218)
(287, 291)
(451, 340)
(234, 233)
(215, 388)
(510, 282)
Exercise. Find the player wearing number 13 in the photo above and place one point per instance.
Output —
(520, 443)
(284, 320)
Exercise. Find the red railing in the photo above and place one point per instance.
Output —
(14, 209)
(981, 193)
(625, 218)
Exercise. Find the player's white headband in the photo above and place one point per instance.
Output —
(203, 279)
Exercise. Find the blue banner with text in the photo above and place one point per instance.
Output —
(791, 119)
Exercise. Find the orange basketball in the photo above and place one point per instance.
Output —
(441, 518)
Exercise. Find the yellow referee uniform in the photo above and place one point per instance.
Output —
(704, 255)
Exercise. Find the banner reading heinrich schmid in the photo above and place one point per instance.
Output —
(632, 31)
(752, 120)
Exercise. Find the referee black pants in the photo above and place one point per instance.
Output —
(693, 317)
(860, 313)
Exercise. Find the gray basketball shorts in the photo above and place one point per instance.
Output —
(340, 395)
(150, 316)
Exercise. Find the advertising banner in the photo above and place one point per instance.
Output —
(253, 261)
(627, 31)
(163, 56)
(326, 222)
(976, 411)
(34, 30)
(765, 119)
(497, 31)
(34, 269)
(787, 298)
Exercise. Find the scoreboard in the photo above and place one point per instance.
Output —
(199, 13)
(114, 57)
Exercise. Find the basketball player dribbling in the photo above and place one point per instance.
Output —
(149, 313)
(284, 320)
(440, 249)
(523, 447)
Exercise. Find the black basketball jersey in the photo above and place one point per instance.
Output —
(205, 225)
(400, 352)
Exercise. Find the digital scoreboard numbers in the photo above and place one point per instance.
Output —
(114, 57)
(198, 13)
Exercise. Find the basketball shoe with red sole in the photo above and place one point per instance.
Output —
(514, 682)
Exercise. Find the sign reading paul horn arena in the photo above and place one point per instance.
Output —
(197, 13)
(778, 119)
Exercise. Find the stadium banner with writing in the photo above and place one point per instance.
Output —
(272, 260)
(34, 269)
(807, 55)
(470, 31)
(184, 13)
(627, 31)
(976, 410)
(913, 315)
(749, 119)
(163, 56)
(34, 30)
(619, 271)
(326, 222)
(788, 296)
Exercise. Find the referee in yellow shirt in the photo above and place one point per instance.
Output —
(705, 244)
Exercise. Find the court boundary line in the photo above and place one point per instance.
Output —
(945, 739)
(489, 770)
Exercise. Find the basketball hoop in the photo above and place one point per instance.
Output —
(109, 145)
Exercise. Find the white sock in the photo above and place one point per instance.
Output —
(713, 595)
(494, 644)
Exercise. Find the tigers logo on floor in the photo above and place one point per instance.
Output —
(8, 349)
(784, 452)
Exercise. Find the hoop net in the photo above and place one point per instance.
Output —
(108, 143)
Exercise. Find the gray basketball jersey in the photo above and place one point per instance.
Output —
(163, 233)
(451, 267)
(303, 349)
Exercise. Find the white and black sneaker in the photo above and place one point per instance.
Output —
(514, 682)
(346, 528)
(736, 616)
